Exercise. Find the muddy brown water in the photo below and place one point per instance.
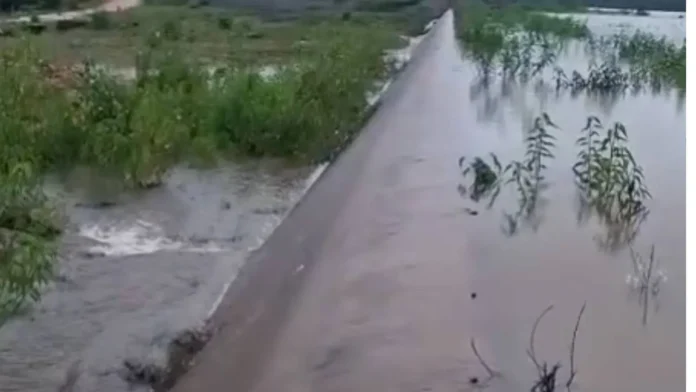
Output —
(139, 269)
(388, 268)
(384, 302)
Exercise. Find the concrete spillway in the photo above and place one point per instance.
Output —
(367, 285)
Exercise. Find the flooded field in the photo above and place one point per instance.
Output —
(138, 269)
(632, 333)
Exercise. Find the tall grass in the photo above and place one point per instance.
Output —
(172, 112)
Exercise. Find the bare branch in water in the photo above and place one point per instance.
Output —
(573, 370)
(491, 372)
(530, 351)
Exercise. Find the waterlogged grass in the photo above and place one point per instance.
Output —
(655, 59)
(175, 111)
(518, 42)
(514, 38)
(513, 19)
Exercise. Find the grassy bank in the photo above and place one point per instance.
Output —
(516, 41)
(174, 111)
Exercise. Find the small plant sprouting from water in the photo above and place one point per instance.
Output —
(487, 178)
(528, 175)
(646, 279)
(547, 379)
(603, 78)
(547, 376)
(610, 183)
(609, 179)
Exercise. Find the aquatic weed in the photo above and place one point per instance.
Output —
(528, 175)
(647, 277)
(610, 183)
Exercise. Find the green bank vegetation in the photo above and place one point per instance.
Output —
(173, 111)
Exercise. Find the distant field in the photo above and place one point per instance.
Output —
(243, 32)
(207, 34)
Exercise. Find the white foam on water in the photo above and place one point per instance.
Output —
(137, 238)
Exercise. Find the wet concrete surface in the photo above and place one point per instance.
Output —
(368, 285)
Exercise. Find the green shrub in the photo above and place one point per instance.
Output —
(224, 23)
(31, 115)
(100, 20)
(71, 24)
(28, 229)
(171, 30)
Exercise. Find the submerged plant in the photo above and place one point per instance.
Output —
(604, 78)
(487, 179)
(649, 59)
(528, 175)
(646, 278)
(514, 40)
(547, 378)
(610, 182)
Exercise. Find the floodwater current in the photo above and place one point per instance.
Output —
(137, 269)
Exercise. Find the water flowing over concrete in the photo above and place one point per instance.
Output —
(380, 277)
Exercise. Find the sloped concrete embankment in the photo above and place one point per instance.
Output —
(257, 304)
